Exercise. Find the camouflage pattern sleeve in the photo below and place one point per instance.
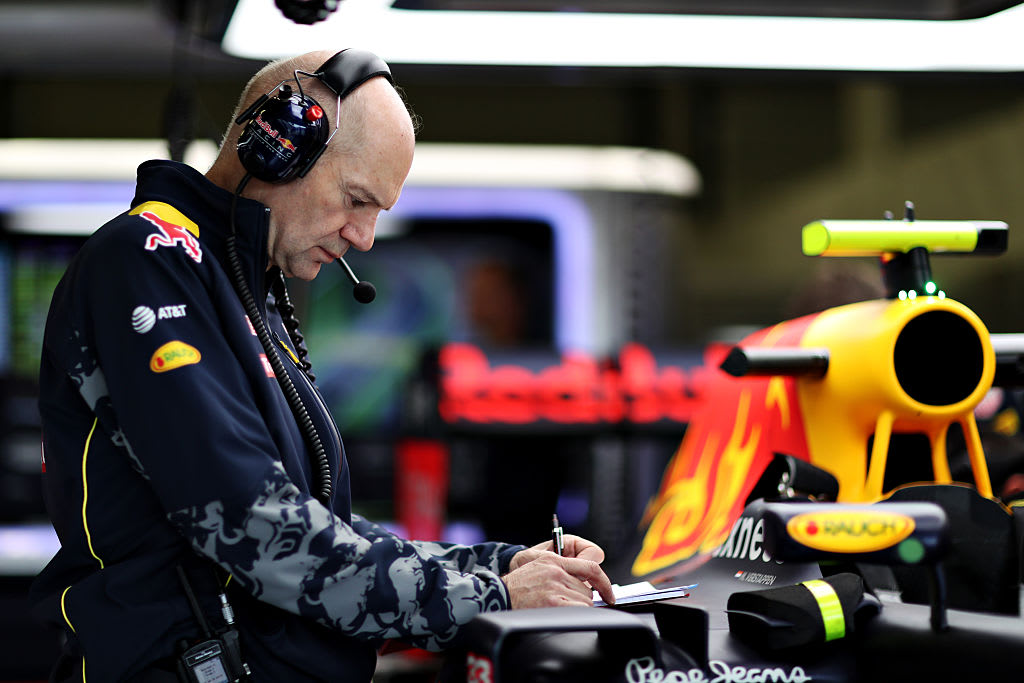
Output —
(290, 551)
(494, 557)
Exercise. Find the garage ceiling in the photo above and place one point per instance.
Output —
(134, 37)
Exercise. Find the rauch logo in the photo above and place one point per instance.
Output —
(845, 531)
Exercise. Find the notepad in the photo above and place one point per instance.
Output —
(643, 591)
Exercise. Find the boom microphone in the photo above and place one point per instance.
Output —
(363, 291)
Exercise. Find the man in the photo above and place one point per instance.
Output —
(190, 463)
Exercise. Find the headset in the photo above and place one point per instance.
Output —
(285, 132)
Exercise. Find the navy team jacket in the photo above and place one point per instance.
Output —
(167, 441)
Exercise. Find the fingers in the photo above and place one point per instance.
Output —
(550, 581)
(576, 546)
(590, 572)
(573, 546)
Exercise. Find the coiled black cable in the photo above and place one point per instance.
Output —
(318, 459)
(291, 324)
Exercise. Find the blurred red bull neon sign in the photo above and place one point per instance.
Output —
(578, 389)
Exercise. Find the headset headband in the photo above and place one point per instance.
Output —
(350, 68)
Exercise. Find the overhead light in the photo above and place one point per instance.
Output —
(597, 39)
(570, 167)
(92, 159)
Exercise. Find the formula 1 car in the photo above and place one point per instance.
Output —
(829, 515)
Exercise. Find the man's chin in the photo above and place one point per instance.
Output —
(307, 272)
(310, 273)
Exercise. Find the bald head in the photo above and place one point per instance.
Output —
(372, 102)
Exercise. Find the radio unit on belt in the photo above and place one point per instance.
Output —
(217, 658)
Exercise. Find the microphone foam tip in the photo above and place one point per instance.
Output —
(364, 292)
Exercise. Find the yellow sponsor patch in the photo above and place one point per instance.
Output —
(173, 354)
(847, 531)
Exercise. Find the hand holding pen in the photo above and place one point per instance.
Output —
(572, 547)
(565, 571)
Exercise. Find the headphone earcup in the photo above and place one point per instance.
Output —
(282, 137)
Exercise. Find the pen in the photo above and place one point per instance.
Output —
(556, 536)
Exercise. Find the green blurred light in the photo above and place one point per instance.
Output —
(911, 551)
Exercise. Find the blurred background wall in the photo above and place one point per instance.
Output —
(775, 149)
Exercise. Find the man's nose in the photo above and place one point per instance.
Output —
(360, 232)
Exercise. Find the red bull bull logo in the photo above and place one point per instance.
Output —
(287, 144)
(174, 229)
